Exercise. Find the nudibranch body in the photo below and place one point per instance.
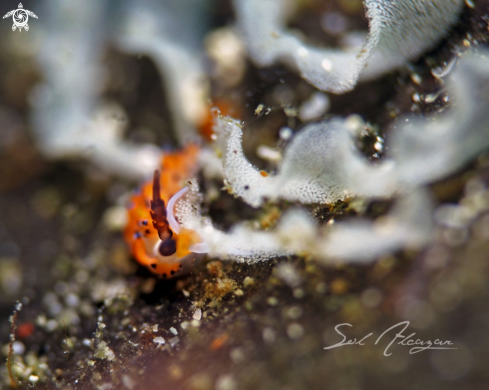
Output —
(155, 237)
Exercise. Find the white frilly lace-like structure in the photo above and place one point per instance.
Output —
(70, 120)
(399, 30)
(321, 166)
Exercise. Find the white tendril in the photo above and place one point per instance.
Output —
(201, 247)
(174, 225)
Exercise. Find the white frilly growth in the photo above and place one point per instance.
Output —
(311, 171)
(408, 225)
(242, 243)
(68, 117)
(169, 32)
(172, 221)
(422, 150)
(399, 30)
(320, 164)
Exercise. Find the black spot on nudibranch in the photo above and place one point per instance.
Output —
(164, 275)
(172, 272)
(153, 266)
(246, 187)
(144, 222)
(147, 231)
(137, 235)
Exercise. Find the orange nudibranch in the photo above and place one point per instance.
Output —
(156, 239)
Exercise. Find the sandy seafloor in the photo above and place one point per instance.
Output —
(91, 315)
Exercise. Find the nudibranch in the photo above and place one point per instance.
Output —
(155, 237)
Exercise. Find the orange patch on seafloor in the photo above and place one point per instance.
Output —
(219, 341)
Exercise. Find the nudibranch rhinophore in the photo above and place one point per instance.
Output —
(155, 237)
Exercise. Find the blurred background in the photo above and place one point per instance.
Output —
(91, 95)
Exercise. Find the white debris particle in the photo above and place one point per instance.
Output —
(442, 72)
(298, 293)
(128, 382)
(51, 325)
(268, 335)
(108, 291)
(104, 352)
(72, 300)
(18, 347)
(174, 341)
(197, 315)
(371, 297)
(285, 133)
(10, 276)
(226, 50)
(238, 292)
(41, 320)
(195, 323)
(237, 355)
(416, 97)
(295, 331)
(316, 106)
(291, 112)
(416, 78)
(288, 273)
(155, 328)
(159, 340)
(248, 281)
(259, 109)
(226, 382)
(272, 301)
(33, 378)
(52, 303)
(294, 312)
(173, 331)
(268, 153)
(184, 325)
